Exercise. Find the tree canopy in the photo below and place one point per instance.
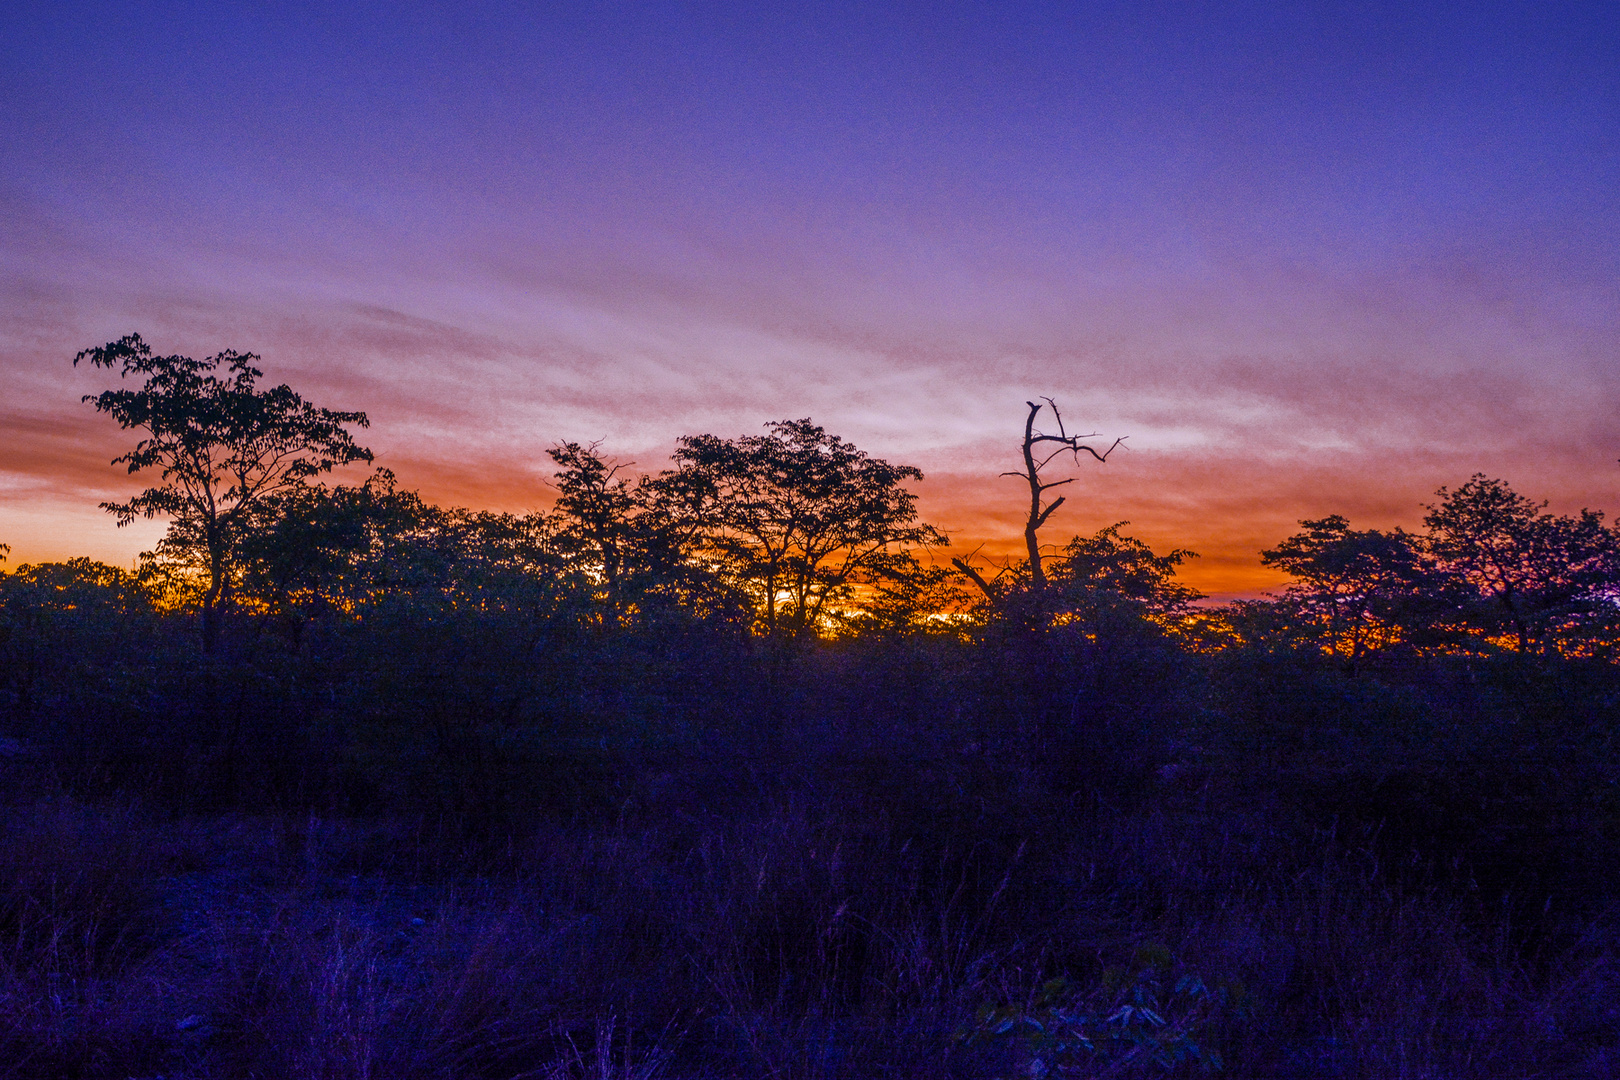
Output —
(798, 519)
(1541, 575)
(222, 446)
(1354, 588)
(793, 534)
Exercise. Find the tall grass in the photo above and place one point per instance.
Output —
(858, 864)
(808, 939)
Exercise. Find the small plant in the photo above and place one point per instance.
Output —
(1127, 1022)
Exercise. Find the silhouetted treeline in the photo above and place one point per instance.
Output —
(701, 597)
(713, 771)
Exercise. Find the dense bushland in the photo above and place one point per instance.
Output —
(443, 841)
(712, 773)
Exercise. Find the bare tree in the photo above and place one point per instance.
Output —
(1040, 449)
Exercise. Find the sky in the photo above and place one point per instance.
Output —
(1308, 258)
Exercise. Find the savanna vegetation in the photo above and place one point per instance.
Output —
(725, 770)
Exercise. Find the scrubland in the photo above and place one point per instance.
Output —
(681, 855)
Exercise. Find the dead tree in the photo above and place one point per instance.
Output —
(1040, 449)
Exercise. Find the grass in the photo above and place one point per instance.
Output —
(863, 867)
(807, 938)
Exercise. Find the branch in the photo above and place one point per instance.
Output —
(1048, 511)
(975, 577)
(1104, 455)
(1059, 416)
(1040, 437)
(1048, 458)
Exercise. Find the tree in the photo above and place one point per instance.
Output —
(799, 519)
(597, 513)
(1545, 575)
(1356, 589)
(624, 546)
(1040, 449)
(312, 551)
(223, 448)
(1109, 570)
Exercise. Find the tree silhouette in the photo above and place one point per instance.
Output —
(1040, 449)
(312, 551)
(78, 614)
(1542, 573)
(625, 547)
(597, 515)
(1355, 588)
(222, 446)
(799, 519)
(1108, 568)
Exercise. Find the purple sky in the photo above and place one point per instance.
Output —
(1310, 258)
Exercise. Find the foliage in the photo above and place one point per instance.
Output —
(600, 515)
(1106, 583)
(798, 519)
(625, 548)
(1128, 1021)
(461, 800)
(1356, 590)
(1546, 580)
(1106, 568)
(79, 585)
(908, 598)
(313, 552)
(222, 446)
(80, 614)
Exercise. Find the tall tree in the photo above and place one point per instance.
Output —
(1040, 449)
(1543, 574)
(626, 546)
(222, 446)
(1355, 589)
(799, 519)
(598, 513)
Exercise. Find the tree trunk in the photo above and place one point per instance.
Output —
(1037, 574)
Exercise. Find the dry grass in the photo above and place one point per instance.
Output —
(808, 941)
